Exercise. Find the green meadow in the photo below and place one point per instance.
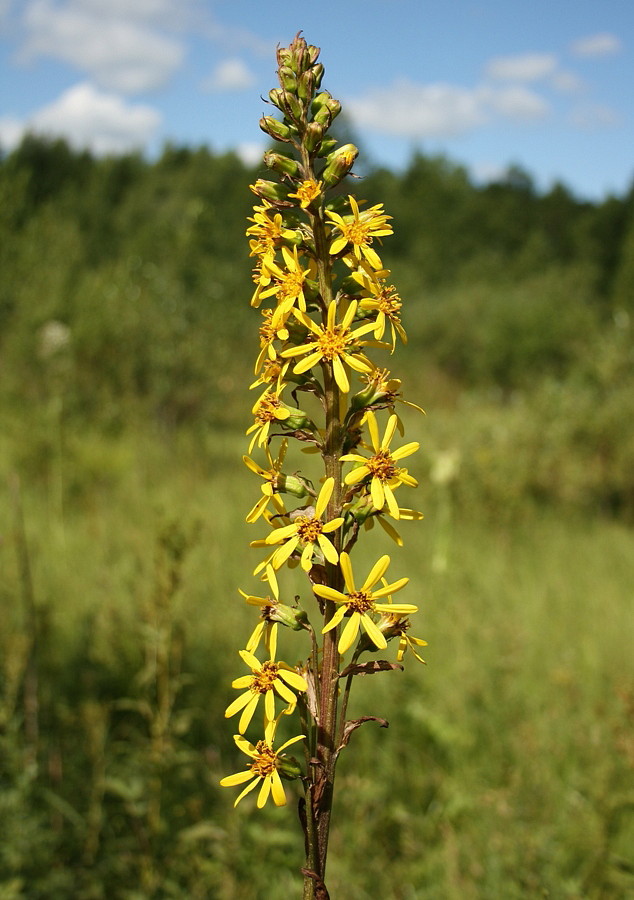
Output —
(126, 354)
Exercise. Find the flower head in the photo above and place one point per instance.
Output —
(359, 604)
(334, 343)
(307, 192)
(266, 679)
(381, 467)
(264, 769)
(358, 230)
(307, 531)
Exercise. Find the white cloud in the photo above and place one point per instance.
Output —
(603, 44)
(594, 117)
(230, 75)
(515, 102)
(251, 152)
(88, 118)
(418, 110)
(442, 110)
(117, 47)
(525, 67)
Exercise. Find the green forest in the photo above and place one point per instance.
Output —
(126, 350)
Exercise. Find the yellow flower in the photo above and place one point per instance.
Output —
(381, 466)
(267, 408)
(385, 301)
(270, 329)
(288, 284)
(263, 769)
(358, 230)
(393, 625)
(266, 679)
(305, 531)
(385, 391)
(360, 603)
(307, 192)
(271, 479)
(267, 232)
(333, 343)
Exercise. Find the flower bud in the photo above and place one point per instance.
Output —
(291, 484)
(272, 191)
(280, 163)
(318, 72)
(276, 97)
(339, 163)
(288, 79)
(334, 107)
(286, 615)
(279, 131)
(327, 146)
(313, 136)
(288, 767)
(306, 85)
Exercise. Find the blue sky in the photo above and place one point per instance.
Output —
(545, 84)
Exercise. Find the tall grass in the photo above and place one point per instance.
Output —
(508, 772)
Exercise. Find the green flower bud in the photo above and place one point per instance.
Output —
(339, 163)
(288, 79)
(361, 508)
(288, 616)
(272, 191)
(313, 55)
(276, 129)
(291, 106)
(298, 420)
(276, 97)
(318, 71)
(288, 767)
(291, 484)
(367, 397)
(280, 163)
(334, 107)
(306, 85)
(313, 136)
(327, 146)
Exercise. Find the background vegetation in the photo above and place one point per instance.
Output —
(124, 373)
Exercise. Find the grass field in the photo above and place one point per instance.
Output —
(506, 771)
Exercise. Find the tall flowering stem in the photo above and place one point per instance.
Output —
(326, 306)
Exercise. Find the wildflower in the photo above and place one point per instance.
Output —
(267, 679)
(359, 603)
(264, 769)
(288, 284)
(358, 230)
(274, 481)
(272, 613)
(381, 466)
(333, 343)
(267, 232)
(307, 192)
(394, 625)
(270, 330)
(267, 408)
(381, 390)
(307, 530)
(387, 303)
